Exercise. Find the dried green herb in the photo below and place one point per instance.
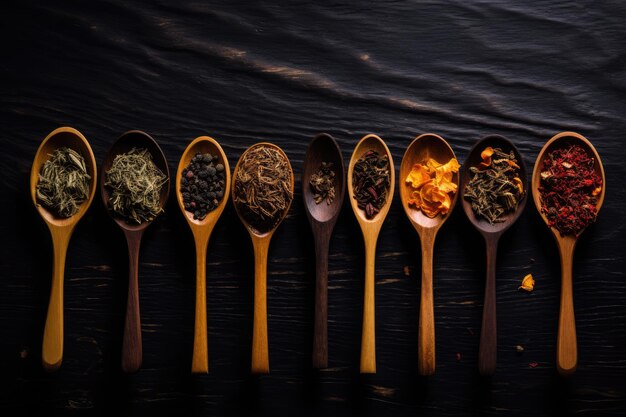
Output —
(370, 180)
(323, 183)
(63, 182)
(134, 183)
(495, 188)
(262, 187)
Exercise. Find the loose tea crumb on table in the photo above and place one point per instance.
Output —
(262, 187)
(202, 185)
(322, 183)
(63, 183)
(371, 180)
(134, 183)
(495, 188)
(569, 189)
(431, 184)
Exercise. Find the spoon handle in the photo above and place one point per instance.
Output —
(320, 329)
(488, 349)
(131, 344)
(567, 349)
(52, 349)
(368, 339)
(200, 361)
(260, 352)
(426, 338)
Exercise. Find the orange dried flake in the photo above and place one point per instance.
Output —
(528, 283)
(432, 184)
(486, 156)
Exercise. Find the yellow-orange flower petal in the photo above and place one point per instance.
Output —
(486, 155)
(418, 176)
(528, 283)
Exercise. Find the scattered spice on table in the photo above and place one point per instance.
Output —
(406, 271)
(63, 183)
(528, 283)
(322, 183)
(432, 186)
(371, 180)
(202, 184)
(134, 183)
(519, 349)
(533, 364)
(495, 188)
(458, 356)
(262, 187)
(569, 189)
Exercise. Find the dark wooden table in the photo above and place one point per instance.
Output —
(243, 73)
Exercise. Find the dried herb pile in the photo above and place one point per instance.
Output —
(569, 189)
(495, 188)
(262, 187)
(63, 182)
(202, 184)
(370, 180)
(134, 183)
(323, 183)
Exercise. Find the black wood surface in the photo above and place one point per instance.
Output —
(244, 72)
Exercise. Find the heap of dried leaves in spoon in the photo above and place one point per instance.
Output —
(63, 182)
(263, 187)
(134, 183)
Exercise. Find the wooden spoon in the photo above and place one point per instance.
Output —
(487, 353)
(131, 345)
(370, 229)
(260, 242)
(61, 230)
(322, 218)
(201, 230)
(567, 350)
(419, 151)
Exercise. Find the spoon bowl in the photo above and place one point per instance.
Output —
(487, 352)
(132, 351)
(260, 242)
(322, 218)
(61, 231)
(419, 151)
(125, 143)
(567, 346)
(201, 230)
(559, 141)
(483, 226)
(323, 148)
(370, 229)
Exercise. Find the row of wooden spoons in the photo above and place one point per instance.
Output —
(322, 218)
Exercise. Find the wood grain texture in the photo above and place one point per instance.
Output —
(283, 73)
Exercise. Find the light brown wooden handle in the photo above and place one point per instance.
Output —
(488, 348)
(52, 349)
(132, 351)
(426, 336)
(200, 360)
(567, 347)
(260, 350)
(368, 338)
